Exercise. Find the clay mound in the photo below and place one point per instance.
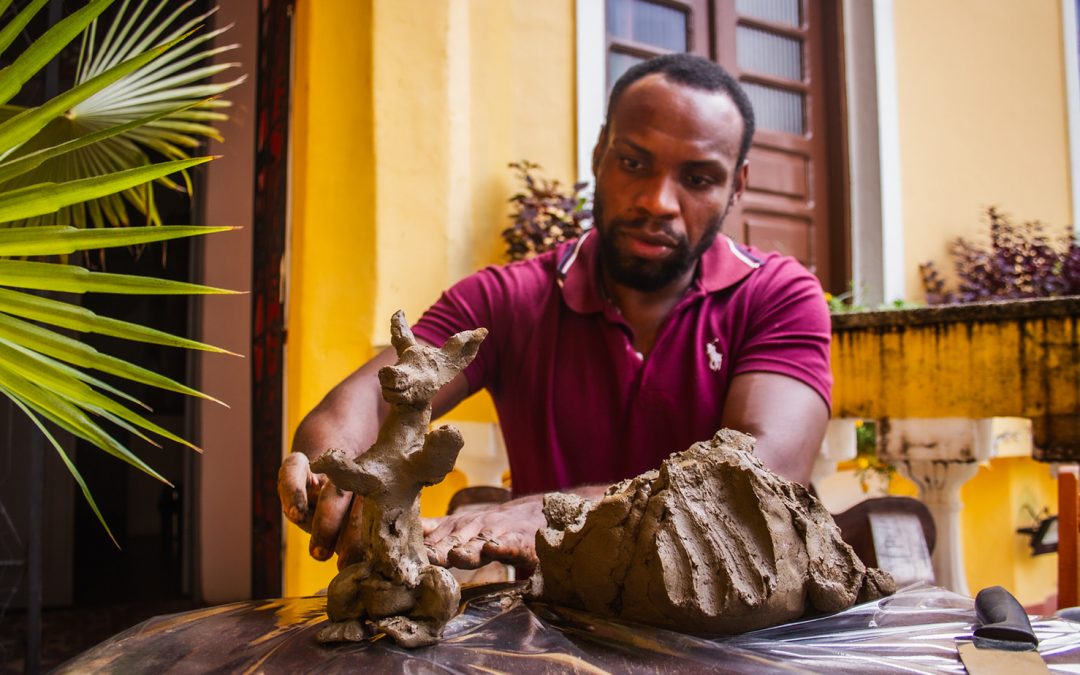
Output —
(712, 542)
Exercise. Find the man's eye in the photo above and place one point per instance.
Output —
(699, 180)
(630, 164)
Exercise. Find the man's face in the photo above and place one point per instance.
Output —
(665, 179)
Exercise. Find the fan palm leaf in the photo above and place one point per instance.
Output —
(81, 159)
(164, 93)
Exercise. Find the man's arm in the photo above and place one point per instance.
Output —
(349, 418)
(786, 416)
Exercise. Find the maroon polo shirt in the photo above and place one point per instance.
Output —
(578, 405)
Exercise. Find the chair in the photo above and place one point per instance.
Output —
(884, 531)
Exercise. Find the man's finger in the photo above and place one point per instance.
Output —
(350, 548)
(293, 479)
(512, 548)
(452, 531)
(330, 514)
(466, 555)
(430, 525)
(438, 552)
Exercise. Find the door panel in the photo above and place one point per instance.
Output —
(779, 232)
(775, 49)
(638, 30)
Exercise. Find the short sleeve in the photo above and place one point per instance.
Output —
(789, 327)
(470, 303)
(497, 298)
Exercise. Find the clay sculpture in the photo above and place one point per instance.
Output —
(394, 589)
(711, 543)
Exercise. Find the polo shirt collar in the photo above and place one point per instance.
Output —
(722, 266)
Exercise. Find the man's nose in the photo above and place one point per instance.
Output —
(659, 197)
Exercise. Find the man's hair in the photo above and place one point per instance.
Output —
(695, 72)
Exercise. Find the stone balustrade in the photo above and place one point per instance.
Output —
(933, 378)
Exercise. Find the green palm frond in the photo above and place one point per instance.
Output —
(167, 95)
(80, 159)
(44, 370)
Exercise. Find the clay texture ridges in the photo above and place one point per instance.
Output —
(711, 543)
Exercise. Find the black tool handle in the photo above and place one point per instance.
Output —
(1000, 617)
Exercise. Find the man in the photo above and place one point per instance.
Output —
(612, 352)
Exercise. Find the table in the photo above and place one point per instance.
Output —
(913, 630)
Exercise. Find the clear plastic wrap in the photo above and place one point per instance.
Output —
(913, 631)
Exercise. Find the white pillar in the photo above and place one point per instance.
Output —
(939, 455)
(939, 488)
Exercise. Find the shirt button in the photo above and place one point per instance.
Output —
(641, 357)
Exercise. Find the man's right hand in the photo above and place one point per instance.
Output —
(314, 503)
(348, 417)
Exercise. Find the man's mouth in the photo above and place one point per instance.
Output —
(647, 245)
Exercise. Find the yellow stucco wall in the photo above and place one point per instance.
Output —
(462, 87)
(981, 103)
(982, 122)
(1012, 364)
(331, 270)
(405, 116)
(996, 503)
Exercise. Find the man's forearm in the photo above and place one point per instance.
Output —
(349, 415)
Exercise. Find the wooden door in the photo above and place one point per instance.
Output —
(638, 30)
(782, 51)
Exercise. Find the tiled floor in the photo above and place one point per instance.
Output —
(68, 632)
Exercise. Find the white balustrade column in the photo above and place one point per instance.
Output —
(939, 455)
(939, 488)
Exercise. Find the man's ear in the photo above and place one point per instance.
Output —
(740, 181)
(598, 150)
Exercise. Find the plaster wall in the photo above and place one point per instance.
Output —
(223, 570)
(982, 117)
(404, 118)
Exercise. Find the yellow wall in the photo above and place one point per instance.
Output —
(405, 115)
(994, 507)
(981, 99)
(462, 87)
(331, 273)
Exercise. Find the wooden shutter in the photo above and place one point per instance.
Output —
(777, 49)
(638, 30)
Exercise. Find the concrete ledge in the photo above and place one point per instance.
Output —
(1006, 310)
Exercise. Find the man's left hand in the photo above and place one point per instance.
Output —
(502, 533)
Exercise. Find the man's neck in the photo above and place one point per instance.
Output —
(646, 310)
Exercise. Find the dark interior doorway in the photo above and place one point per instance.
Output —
(145, 515)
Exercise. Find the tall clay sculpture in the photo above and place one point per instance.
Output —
(394, 589)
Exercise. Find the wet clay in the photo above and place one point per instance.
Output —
(711, 543)
(394, 589)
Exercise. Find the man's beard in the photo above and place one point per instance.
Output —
(648, 276)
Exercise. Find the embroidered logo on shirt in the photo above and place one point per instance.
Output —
(716, 359)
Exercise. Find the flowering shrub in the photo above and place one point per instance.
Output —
(1022, 260)
(544, 214)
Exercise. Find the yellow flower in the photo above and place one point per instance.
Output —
(828, 297)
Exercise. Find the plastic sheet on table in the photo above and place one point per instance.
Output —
(913, 631)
